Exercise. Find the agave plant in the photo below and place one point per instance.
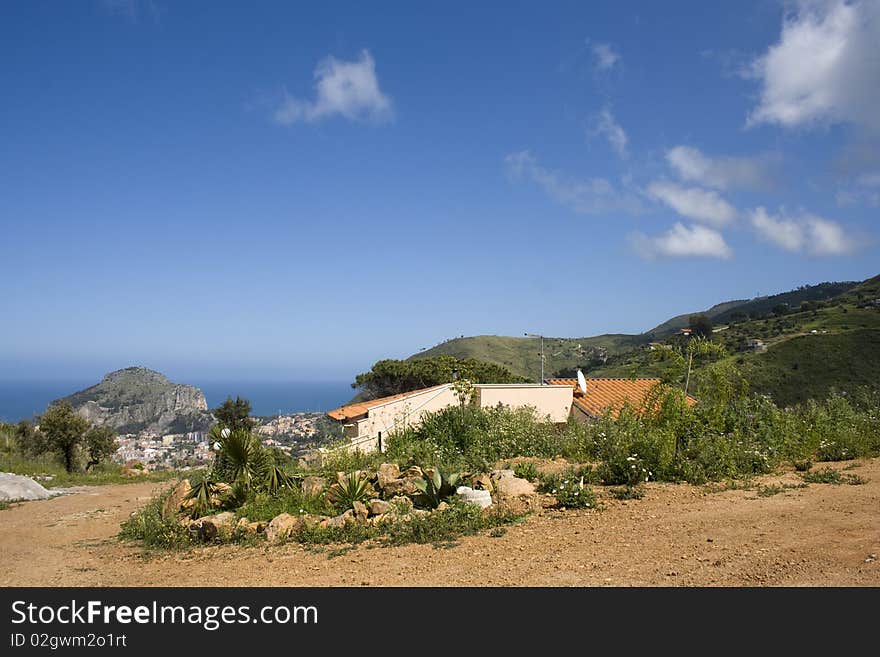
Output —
(206, 496)
(436, 484)
(350, 488)
(240, 458)
(278, 478)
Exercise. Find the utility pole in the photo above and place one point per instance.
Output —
(533, 335)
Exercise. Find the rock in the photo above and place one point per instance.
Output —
(482, 481)
(443, 506)
(251, 528)
(18, 487)
(514, 486)
(313, 486)
(174, 502)
(413, 472)
(219, 525)
(349, 518)
(480, 498)
(382, 519)
(340, 521)
(398, 487)
(281, 526)
(401, 504)
(360, 512)
(387, 472)
(502, 474)
(378, 507)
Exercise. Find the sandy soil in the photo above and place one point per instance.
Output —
(678, 535)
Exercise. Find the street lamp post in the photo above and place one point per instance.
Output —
(533, 335)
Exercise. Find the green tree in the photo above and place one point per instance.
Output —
(64, 432)
(700, 325)
(235, 414)
(392, 377)
(99, 443)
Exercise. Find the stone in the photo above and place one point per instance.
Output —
(502, 474)
(313, 486)
(482, 481)
(401, 504)
(413, 472)
(514, 486)
(480, 498)
(443, 506)
(19, 487)
(281, 526)
(208, 528)
(250, 528)
(397, 487)
(378, 507)
(360, 512)
(174, 502)
(348, 518)
(382, 519)
(387, 472)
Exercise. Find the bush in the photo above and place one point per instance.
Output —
(153, 529)
(526, 470)
(574, 494)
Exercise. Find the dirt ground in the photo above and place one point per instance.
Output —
(677, 535)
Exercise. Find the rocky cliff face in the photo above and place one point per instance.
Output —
(138, 399)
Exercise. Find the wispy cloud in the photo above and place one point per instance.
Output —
(133, 10)
(702, 205)
(682, 241)
(604, 55)
(581, 195)
(692, 165)
(605, 125)
(825, 67)
(345, 88)
(802, 234)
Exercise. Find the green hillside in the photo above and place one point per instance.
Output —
(817, 338)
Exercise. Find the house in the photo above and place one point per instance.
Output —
(609, 395)
(367, 424)
(686, 332)
(753, 344)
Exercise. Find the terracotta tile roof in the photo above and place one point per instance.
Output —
(359, 410)
(603, 394)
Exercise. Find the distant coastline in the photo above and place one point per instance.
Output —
(23, 399)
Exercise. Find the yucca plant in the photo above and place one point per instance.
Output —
(204, 494)
(436, 485)
(278, 478)
(350, 488)
(240, 458)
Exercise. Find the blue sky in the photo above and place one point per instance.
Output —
(280, 192)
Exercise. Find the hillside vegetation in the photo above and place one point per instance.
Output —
(816, 339)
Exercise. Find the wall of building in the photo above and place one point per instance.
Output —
(399, 414)
(548, 401)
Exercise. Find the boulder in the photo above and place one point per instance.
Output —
(514, 487)
(175, 501)
(382, 519)
(387, 472)
(399, 487)
(281, 526)
(502, 474)
(250, 528)
(360, 512)
(349, 518)
(480, 498)
(340, 521)
(401, 504)
(19, 487)
(378, 507)
(208, 528)
(482, 481)
(413, 472)
(313, 486)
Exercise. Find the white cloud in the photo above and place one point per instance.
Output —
(693, 165)
(802, 234)
(583, 196)
(825, 67)
(683, 242)
(607, 126)
(694, 203)
(604, 56)
(349, 89)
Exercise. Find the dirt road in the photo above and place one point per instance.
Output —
(678, 535)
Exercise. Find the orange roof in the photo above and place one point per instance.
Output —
(604, 394)
(359, 410)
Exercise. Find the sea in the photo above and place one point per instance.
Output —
(22, 400)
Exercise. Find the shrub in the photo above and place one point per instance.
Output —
(153, 529)
(628, 493)
(350, 488)
(526, 470)
(574, 494)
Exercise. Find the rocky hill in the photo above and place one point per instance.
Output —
(139, 399)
